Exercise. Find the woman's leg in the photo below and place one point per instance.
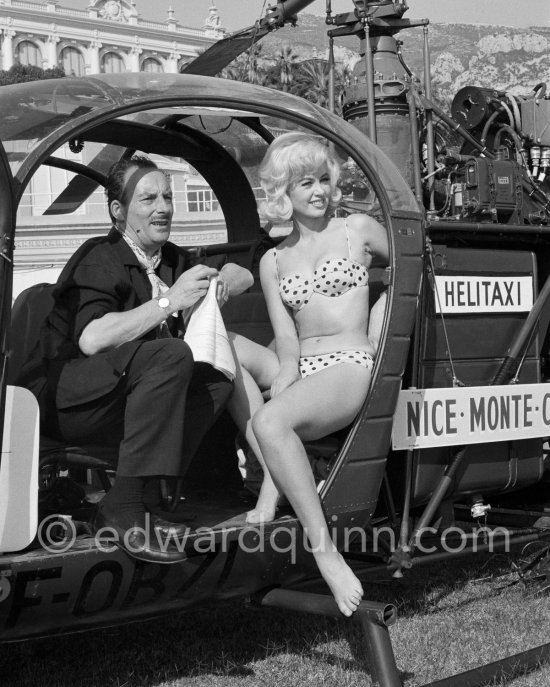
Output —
(313, 407)
(257, 367)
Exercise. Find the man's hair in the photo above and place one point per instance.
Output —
(288, 158)
(117, 184)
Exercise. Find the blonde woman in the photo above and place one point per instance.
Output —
(316, 288)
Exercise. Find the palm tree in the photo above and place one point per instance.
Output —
(247, 67)
(287, 61)
(255, 72)
(233, 71)
(317, 77)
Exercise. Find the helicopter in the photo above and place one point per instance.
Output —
(456, 420)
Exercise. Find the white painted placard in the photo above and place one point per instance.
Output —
(470, 415)
(466, 294)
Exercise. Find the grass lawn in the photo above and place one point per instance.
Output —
(452, 617)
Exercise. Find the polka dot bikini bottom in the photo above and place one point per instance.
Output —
(315, 363)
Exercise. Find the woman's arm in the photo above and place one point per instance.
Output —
(232, 281)
(287, 345)
(373, 238)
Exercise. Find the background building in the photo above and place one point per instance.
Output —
(109, 36)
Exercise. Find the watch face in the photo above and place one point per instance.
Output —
(164, 302)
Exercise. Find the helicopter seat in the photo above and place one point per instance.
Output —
(247, 315)
(29, 311)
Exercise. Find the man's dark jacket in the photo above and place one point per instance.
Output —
(102, 276)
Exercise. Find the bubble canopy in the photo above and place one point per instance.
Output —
(36, 117)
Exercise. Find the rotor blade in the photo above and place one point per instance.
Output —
(220, 54)
(80, 188)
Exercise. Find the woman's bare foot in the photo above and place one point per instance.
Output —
(341, 579)
(257, 516)
(266, 505)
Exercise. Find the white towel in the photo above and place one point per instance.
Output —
(206, 334)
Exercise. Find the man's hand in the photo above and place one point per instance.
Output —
(191, 286)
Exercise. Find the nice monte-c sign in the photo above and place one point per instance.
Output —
(470, 415)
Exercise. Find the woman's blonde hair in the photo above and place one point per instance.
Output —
(290, 157)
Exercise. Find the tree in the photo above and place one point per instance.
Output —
(20, 73)
(286, 65)
(315, 82)
(307, 79)
(248, 67)
(312, 79)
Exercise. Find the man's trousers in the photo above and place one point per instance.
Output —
(158, 412)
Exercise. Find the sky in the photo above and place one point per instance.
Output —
(238, 14)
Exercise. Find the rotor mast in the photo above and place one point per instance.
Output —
(377, 97)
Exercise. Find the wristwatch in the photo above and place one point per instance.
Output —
(165, 304)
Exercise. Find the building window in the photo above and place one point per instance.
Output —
(112, 63)
(150, 64)
(28, 53)
(72, 62)
(201, 200)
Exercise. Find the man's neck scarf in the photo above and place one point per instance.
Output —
(150, 264)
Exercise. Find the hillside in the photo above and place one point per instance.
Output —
(500, 57)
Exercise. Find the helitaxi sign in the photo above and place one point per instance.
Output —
(470, 415)
(483, 294)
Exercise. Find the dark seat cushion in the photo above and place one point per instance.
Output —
(29, 311)
(247, 315)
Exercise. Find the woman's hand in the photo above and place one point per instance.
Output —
(285, 378)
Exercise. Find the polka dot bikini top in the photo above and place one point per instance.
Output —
(333, 278)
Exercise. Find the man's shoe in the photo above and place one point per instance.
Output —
(139, 542)
(170, 530)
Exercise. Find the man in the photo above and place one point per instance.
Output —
(112, 361)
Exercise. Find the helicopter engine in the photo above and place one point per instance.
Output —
(515, 129)
(489, 163)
